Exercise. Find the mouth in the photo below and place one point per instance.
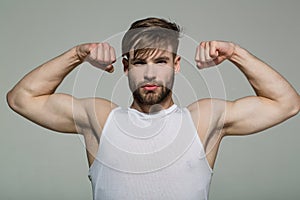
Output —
(150, 87)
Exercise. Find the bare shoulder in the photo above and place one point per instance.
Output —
(207, 113)
(98, 109)
(207, 106)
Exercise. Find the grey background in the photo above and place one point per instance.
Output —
(40, 164)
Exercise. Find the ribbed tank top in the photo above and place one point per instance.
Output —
(150, 157)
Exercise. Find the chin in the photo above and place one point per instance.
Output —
(151, 98)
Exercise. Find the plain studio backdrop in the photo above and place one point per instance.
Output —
(40, 164)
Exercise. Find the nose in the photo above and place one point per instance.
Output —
(150, 72)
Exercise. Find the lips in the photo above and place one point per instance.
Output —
(150, 87)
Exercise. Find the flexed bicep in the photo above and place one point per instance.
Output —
(59, 112)
(63, 112)
(253, 114)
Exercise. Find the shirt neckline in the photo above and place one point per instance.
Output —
(156, 114)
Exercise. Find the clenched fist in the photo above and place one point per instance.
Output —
(100, 55)
(212, 53)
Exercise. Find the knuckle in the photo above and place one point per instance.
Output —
(213, 42)
(105, 45)
(202, 44)
(111, 48)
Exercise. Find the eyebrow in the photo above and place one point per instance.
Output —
(155, 59)
(162, 58)
(137, 60)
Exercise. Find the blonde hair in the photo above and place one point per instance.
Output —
(145, 36)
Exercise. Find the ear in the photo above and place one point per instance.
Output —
(125, 65)
(177, 63)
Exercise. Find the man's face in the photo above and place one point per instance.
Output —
(151, 78)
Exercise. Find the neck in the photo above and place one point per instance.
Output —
(145, 108)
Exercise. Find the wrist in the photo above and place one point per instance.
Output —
(74, 57)
(239, 55)
(83, 50)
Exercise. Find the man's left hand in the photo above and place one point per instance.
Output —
(212, 53)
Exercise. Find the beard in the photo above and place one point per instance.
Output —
(151, 97)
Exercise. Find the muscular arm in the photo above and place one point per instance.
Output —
(275, 102)
(34, 96)
(276, 99)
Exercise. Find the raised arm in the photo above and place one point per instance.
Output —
(276, 99)
(34, 95)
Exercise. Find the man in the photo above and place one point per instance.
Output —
(154, 149)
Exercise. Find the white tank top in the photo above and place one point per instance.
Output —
(150, 157)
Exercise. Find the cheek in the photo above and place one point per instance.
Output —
(134, 78)
(135, 75)
(165, 74)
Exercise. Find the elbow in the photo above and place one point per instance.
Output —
(294, 106)
(294, 111)
(10, 99)
(297, 109)
(14, 101)
(288, 108)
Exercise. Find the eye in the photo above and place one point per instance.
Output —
(161, 61)
(139, 62)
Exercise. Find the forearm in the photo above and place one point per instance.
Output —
(46, 78)
(265, 81)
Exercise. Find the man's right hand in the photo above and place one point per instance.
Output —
(100, 55)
